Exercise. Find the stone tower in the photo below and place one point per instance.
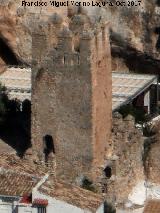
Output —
(71, 97)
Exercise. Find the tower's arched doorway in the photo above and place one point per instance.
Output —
(48, 146)
(108, 171)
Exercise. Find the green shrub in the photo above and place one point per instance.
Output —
(87, 184)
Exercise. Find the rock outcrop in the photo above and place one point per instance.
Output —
(16, 24)
(135, 31)
(135, 37)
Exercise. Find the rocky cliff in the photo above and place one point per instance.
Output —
(135, 37)
(134, 32)
(16, 24)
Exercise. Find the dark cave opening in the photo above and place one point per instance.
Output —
(135, 60)
(7, 54)
(158, 3)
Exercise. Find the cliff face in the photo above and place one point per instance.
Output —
(135, 31)
(13, 31)
(135, 37)
(16, 24)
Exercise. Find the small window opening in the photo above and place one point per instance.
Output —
(48, 145)
(76, 43)
(78, 60)
(64, 59)
(77, 48)
(108, 172)
(99, 63)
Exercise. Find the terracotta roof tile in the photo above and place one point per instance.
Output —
(73, 195)
(152, 206)
(16, 184)
(12, 162)
(19, 182)
(43, 202)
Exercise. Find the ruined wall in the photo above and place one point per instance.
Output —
(152, 145)
(153, 167)
(126, 161)
(66, 103)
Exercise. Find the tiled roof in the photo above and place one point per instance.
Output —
(43, 202)
(18, 183)
(127, 86)
(152, 206)
(15, 183)
(73, 195)
(18, 82)
(12, 162)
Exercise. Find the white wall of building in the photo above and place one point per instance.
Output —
(61, 206)
(100, 209)
(147, 101)
(140, 210)
(53, 206)
(26, 209)
(7, 207)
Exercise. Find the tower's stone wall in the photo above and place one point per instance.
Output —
(71, 99)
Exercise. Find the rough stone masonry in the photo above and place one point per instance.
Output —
(71, 96)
